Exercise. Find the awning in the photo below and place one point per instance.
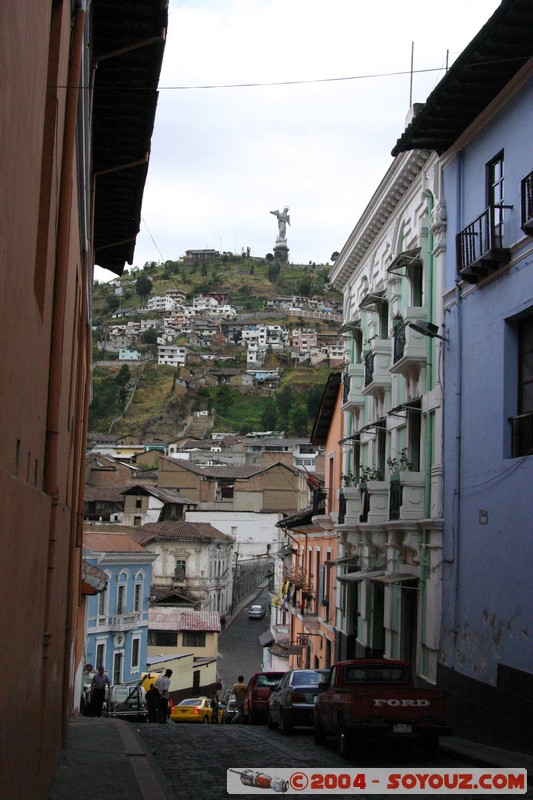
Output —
(266, 639)
(405, 259)
(344, 560)
(397, 577)
(360, 576)
(371, 299)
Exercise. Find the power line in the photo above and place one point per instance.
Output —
(368, 76)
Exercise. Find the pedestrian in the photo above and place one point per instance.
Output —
(222, 622)
(162, 684)
(239, 690)
(99, 684)
(214, 708)
(152, 701)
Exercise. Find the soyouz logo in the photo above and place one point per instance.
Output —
(392, 701)
(254, 780)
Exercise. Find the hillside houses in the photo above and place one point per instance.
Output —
(209, 321)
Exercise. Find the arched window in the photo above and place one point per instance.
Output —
(122, 586)
(138, 592)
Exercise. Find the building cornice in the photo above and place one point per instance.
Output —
(398, 178)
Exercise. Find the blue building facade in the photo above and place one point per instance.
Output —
(117, 618)
(480, 121)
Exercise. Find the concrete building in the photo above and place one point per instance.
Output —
(486, 228)
(69, 150)
(116, 621)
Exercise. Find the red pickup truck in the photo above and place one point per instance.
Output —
(371, 699)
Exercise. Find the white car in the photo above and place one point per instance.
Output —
(256, 612)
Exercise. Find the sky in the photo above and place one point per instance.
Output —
(223, 157)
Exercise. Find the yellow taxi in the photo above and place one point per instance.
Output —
(195, 709)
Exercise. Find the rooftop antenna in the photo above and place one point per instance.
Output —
(411, 76)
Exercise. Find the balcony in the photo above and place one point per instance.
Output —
(480, 249)
(527, 204)
(377, 369)
(124, 622)
(353, 378)
(406, 496)
(409, 349)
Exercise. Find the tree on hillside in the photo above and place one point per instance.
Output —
(269, 417)
(269, 257)
(149, 336)
(143, 286)
(274, 268)
(305, 287)
(299, 420)
(284, 400)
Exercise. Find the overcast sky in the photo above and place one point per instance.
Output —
(223, 158)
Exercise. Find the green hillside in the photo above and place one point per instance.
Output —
(141, 401)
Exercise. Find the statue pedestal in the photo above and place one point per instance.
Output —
(281, 251)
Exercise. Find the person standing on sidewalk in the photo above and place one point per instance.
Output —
(239, 690)
(152, 701)
(162, 684)
(98, 686)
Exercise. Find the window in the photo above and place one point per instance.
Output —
(193, 638)
(522, 424)
(102, 598)
(100, 655)
(121, 597)
(163, 638)
(135, 654)
(180, 570)
(495, 195)
(138, 595)
(118, 659)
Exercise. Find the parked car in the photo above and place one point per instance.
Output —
(255, 704)
(256, 612)
(292, 701)
(230, 707)
(194, 709)
(125, 702)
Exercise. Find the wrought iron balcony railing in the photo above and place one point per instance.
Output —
(399, 341)
(480, 249)
(369, 368)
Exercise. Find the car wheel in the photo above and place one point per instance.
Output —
(318, 732)
(430, 746)
(271, 725)
(284, 725)
(343, 740)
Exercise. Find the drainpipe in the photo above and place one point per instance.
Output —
(428, 445)
(456, 509)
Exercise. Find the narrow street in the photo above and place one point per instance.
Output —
(195, 758)
(239, 650)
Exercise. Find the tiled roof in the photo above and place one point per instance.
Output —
(165, 495)
(110, 543)
(110, 494)
(182, 619)
(180, 531)
(94, 577)
(228, 471)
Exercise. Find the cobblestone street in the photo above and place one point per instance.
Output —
(195, 759)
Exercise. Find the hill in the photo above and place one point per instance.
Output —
(143, 400)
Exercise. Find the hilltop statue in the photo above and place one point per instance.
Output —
(283, 220)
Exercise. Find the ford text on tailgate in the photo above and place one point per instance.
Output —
(369, 699)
